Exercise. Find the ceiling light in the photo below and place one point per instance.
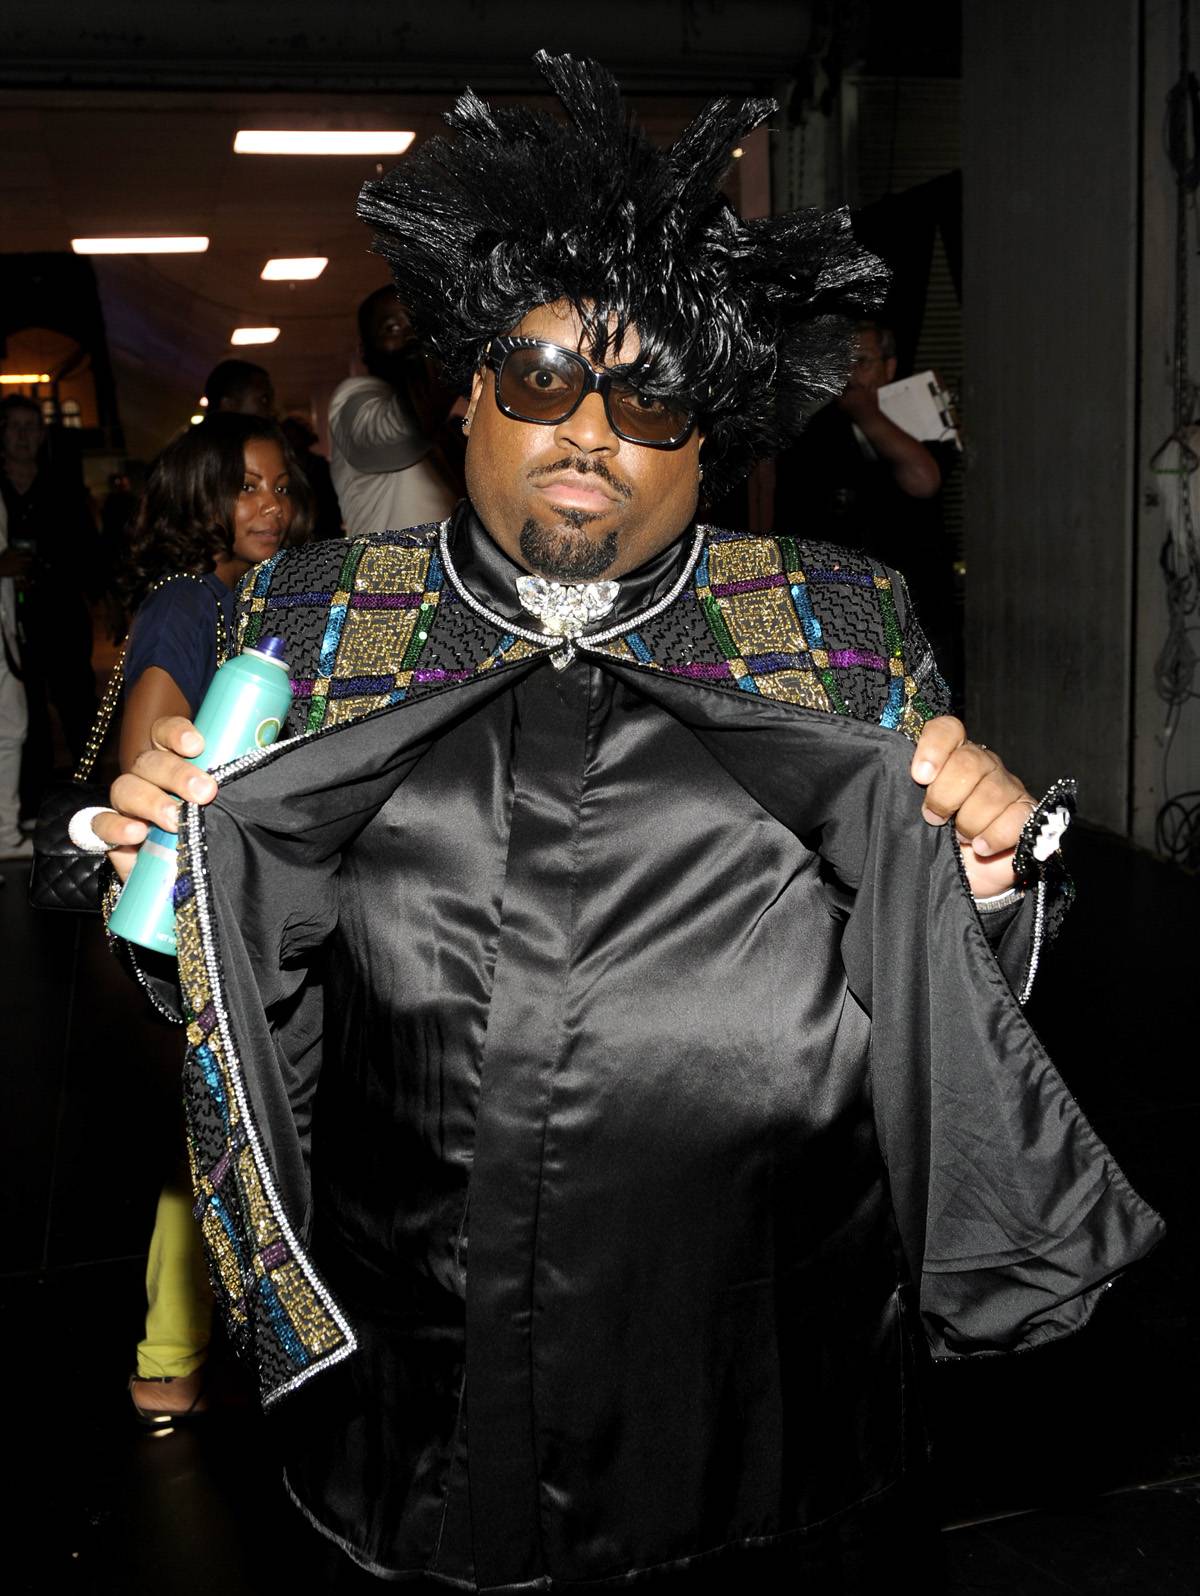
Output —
(254, 335)
(310, 141)
(203, 401)
(294, 268)
(25, 376)
(139, 246)
(738, 153)
(197, 418)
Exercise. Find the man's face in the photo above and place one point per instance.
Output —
(22, 435)
(391, 330)
(571, 500)
(869, 368)
(257, 398)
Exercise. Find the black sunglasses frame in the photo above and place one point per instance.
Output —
(594, 381)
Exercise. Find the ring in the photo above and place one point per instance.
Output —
(82, 833)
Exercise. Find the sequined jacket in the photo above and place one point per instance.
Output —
(381, 624)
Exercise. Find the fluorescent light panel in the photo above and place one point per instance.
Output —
(24, 376)
(254, 335)
(311, 141)
(294, 268)
(140, 246)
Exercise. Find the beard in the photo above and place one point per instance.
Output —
(565, 556)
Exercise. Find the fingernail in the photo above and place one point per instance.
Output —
(933, 819)
(169, 820)
(201, 787)
(193, 741)
(923, 771)
(982, 848)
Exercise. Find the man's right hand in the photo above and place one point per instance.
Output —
(146, 794)
(17, 563)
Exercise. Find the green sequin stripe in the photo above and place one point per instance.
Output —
(891, 622)
(826, 677)
(420, 635)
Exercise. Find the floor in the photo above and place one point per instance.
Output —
(1070, 1470)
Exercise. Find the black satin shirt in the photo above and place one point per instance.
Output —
(594, 1167)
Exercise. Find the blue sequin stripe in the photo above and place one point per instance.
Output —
(212, 1078)
(893, 710)
(638, 647)
(332, 637)
(280, 1322)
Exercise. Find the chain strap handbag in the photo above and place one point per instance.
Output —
(64, 876)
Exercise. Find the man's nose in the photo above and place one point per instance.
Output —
(588, 429)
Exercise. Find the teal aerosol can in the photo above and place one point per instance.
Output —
(243, 709)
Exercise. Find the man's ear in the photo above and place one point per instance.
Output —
(889, 370)
(476, 390)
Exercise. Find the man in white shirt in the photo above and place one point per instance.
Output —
(14, 564)
(383, 468)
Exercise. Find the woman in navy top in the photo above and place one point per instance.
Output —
(221, 498)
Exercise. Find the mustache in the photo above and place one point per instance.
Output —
(585, 467)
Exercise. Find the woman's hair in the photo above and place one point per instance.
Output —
(185, 522)
(749, 320)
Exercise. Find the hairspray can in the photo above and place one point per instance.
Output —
(243, 709)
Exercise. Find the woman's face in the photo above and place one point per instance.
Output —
(263, 511)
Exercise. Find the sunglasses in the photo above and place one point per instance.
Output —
(543, 383)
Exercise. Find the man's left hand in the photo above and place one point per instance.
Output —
(988, 803)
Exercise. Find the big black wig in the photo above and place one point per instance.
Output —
(747, 320)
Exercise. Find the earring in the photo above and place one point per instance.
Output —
(466, 423)
(700, 478)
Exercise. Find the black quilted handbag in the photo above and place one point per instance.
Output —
(63, 876)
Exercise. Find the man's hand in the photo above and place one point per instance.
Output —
(989, 803)
(146, 794)
(859, 402)
(17, 563)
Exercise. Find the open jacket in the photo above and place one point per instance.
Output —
(798, 668)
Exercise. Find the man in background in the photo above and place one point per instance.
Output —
(241, 386)
(857, 479)
(390, 468)
(14, 567)
(50, 520)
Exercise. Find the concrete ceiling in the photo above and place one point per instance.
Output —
(76, 163)
(119, 117)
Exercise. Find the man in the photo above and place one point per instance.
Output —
(857, 478)
(667, 1071)
(14, 568)
(386, 466)
(50, 520)
(240, 386)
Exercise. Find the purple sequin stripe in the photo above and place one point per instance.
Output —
(752, 584)
(700, 670)
(842, 657)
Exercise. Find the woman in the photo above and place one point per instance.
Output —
(224, 496)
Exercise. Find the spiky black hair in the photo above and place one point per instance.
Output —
(744, 319)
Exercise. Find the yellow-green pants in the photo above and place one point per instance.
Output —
(179, 1302)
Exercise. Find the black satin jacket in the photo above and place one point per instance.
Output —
(611, 1061)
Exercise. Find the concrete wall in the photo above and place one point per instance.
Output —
(1162, 747)
(1051, 124)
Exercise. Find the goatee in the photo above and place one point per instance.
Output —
(564, 557)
